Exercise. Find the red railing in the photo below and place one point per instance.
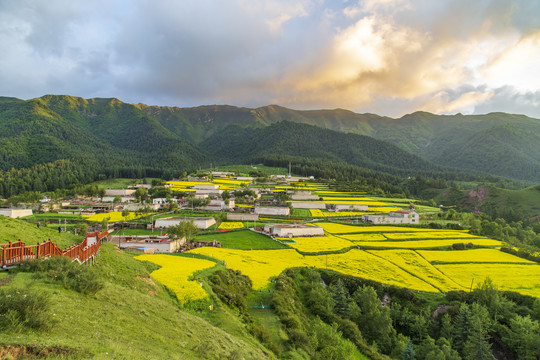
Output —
(14, 253)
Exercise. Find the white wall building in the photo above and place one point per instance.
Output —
(346, 207)
(206, 186)
(308, 205)
(209, 192)
(200, 222)
(304, 195)
(219, 205)
(16, 213)
(159, 245)
(119, 192)
(293, 230)
(394, 217)
(242, 217)
(272, 210)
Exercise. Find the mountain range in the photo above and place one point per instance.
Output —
(109, 131)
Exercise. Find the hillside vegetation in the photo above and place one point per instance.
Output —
(131, 317)
(64, 140)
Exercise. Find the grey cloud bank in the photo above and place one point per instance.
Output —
(388, 57)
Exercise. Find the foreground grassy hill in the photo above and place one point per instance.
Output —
(131, 317)
(15, 229)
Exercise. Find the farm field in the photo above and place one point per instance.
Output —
(320, 243)
(478, 256)
(113, 216)
(260, 265)
(175, 272)
(244, 239)
(231, 225)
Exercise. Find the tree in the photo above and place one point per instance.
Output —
(117, 199)
(477, 346)
(524, 337)
(409, 353)
(186, 229)
(81, 228)
(340, 294)
(125, 213)
(141, 193)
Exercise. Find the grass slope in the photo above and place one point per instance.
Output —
(130, 318)
(15, 229)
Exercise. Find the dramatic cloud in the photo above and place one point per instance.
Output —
(386, 56)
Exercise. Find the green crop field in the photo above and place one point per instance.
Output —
(244, 239)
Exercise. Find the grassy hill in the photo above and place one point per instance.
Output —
(293, 139)
(15, 229)
(111, 138)
(132, 317)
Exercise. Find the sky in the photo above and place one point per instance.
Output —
(389, 57)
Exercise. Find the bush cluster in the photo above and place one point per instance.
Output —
(70, 274)
(24, 308)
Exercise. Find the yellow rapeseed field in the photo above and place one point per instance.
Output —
(364, 237)
(344, 229)
(113, 216)
(175, 272)
(441, 234)
(231, 225)
(524, 279)
(472, 256)
(420, 267)
(261, 265)
(426, 244)
(320, 243)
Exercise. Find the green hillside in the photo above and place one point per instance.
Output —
(131, 317)
(15, 229)
(294, 139)
(464, 141)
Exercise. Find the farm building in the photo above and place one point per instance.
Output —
(308, 205)
(293, 230)
(16, 213)
(272, 210)
(206, 186)
(222, 174)
(304, 195)
(208, 192)
(244, 178)
(346, 207)
(219, 205)
(120, 192)
(242, 217)
(157, 244)
(200, 222)
(394, 217)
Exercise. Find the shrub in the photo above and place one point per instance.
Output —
(24, 308)
(70, 274)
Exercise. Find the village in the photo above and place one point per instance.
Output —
(142, 216)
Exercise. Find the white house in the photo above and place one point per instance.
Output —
(394, 217)
(347, 207)
(120, 192)
(293, 230)
(206, 186)
(308, 205)
(209, 192)
(160, 245)
(218, 205)
(16, 213)
(242, 217)
(272, 210)
(200, 222)
(304, 195)
(244, 178)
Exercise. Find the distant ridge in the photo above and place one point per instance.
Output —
(55, 127)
